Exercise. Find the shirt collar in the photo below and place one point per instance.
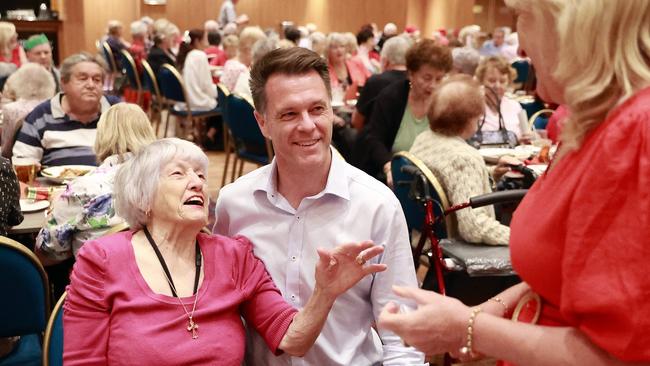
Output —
(57, 109)
(337, 180)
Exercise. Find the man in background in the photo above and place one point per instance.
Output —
(39, 50)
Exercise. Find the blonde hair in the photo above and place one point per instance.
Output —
(499, 63)
(249, 36)
(7, 30)
(602, 69)
(32, 82)
(123, 128)
(605, 70)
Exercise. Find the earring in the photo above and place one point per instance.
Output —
(410, 84)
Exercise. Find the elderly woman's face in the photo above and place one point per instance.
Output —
(425, 80)
(337, 52)
(496, 80)
(181, 196)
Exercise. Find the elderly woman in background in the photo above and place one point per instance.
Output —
(85, 210)
(161, 52)
(260, 48)
(166, 284)
(466, 60)
(496, 75)
(400, 110)
(456, 107)
(346, 74)
(318, 43)
(115, 37)
(230, 46)
(10, 49)
(234, 67)
(31, 85)
(584, 260)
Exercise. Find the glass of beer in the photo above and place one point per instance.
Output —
(26, 169)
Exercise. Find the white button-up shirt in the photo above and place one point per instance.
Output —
(353, 207)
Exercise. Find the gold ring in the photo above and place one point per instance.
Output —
(360, 260)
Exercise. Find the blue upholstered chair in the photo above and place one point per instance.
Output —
(53, 340)
(250, 144)
(25, 304)
(172, 88)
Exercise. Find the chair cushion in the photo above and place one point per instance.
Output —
(26, 353)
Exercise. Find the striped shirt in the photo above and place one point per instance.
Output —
(51, 137)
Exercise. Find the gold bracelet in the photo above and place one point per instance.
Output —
(467, 350)
(500, 301)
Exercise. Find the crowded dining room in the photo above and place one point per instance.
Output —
(325, 182)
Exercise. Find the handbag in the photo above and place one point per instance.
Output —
(499, 138)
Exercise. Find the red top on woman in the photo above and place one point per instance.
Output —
(581, 236)
(15, 57)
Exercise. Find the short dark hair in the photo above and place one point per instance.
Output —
(456, 102)
(292, 34)
(214, 38)
(288, 61)
(364, 35)
(427, 52)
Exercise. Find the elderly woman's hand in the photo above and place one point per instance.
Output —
(503, 166)
(341, 268)
(438, 325)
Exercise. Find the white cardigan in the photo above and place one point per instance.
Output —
(201, 92)
(463, 174)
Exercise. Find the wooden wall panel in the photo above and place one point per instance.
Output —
(85, 20)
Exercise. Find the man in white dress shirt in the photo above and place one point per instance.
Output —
(309, 197)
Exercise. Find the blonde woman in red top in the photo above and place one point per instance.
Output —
(579, 239)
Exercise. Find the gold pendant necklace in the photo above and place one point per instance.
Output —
(192, 326)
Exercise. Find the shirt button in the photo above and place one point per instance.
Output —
(293, 297)
(293, 258)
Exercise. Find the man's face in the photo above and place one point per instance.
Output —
(85, 84)
(498, 38)
(41, 54)
(298, 119)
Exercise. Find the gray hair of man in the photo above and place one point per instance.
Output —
(466, 60)
(136, 181)
(139, 28)
(77, 58)
(394, 50)
(32, 82)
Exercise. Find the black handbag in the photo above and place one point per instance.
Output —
(500, 138)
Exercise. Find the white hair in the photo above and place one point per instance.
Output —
(139, 28)
(136, 181)
(390, 29)
(394, 50)
(466, 59)
(211, 26)
(146, 20)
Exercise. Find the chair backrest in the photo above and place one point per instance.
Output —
(222, 93)
(109, 57)
(523, 69)
(149, 81)
(25, 305)
(243, 126)
(413, 210)
(539, 119)
(171, 85)
(53, 340)
(128, 63)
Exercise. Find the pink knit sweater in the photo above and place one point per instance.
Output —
(111, 316)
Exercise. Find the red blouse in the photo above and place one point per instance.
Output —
(581, 236)
(15, 57)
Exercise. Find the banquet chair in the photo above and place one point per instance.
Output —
(228, 145)
(113, 69)
(53, 339)
(150, 83)
(523, 70)
(25, 305)
(473, 272)
(173, 89)
(250, 145)
(131, 71)
(539, 119)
